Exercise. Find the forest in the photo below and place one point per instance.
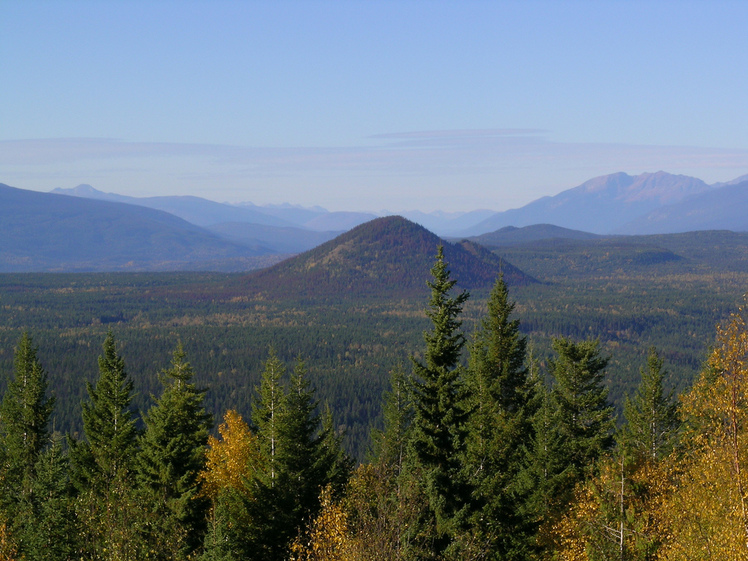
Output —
(487, 447)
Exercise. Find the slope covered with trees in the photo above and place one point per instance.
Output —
(484, 454)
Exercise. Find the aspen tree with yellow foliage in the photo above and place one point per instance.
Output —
(707, 512)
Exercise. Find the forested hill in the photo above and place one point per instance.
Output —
(384, 257)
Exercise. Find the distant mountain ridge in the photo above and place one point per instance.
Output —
(600, 205)
(47, 232)
(723, 208)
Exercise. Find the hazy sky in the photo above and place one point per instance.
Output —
(369, 105)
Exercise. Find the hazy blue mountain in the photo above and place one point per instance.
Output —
(198, 211)
(723, 208)
(448, 223)
(600, 205)
(293, 214)
(276, 239)
(50, 232)
(511, 235)
(340, 221)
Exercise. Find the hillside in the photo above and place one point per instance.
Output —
(48, 232)
(511, 235)
(386, 256)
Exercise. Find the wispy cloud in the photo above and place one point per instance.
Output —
(473, 167)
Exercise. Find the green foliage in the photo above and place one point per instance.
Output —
(652, 423)
(300, 457)
(172, 453)
(499, 427)
(440, 400)
(108, 509)
(34, 497)
(583, 418)
(24, 416)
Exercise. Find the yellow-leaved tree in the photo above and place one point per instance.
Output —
(232, 458)
(327, 537)
(231, 461)
(707, 513)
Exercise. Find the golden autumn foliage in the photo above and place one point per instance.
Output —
(615, 515)
(707, 511)
(8, 550)
(327, 537)
(232, 459)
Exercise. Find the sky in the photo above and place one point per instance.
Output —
(366, 105)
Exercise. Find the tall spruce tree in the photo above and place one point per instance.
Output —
(299, 459)
(24, 419)
(652, 423)
(24, 437)
(390, 445)
(440, 403)
(500, 425)
(584, 421)
(103, 464)
(172, 453)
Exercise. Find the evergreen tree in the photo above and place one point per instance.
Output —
(24, 416)
(172, 454)
(24, 440)
(583, 422)
(111, 435)
(441, 410)
(652, 422)
(48, 515)
(500, 425)
(102, 464)
(390, 445)
(267, 411)
(300, 460)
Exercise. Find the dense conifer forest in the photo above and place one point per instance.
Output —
(490, 445)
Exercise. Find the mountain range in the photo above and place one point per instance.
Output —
(623, 204)
(87, 230)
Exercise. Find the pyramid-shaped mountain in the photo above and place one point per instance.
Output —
(383, 257)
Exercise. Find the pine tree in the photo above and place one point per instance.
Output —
(102, 465)
(652, 423)
(441, 410)
(390, 445)
(584, 419)
(172, 454)
(48, 516)
(500, 425)
(24, 416)
(300, 460)
(111, 435)
(24, 449)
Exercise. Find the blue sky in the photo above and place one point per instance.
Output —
(369, 105)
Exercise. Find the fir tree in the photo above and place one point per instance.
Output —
(48, 515)
(107, 508)
(440, 410)
(108, 423)
(24, 416)
(24, 441)
(500, 425)
(300, 460)
(583, 418)
(652, 422)
(172, 454)
(390, 445)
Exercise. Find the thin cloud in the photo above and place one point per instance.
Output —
(509, 166)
